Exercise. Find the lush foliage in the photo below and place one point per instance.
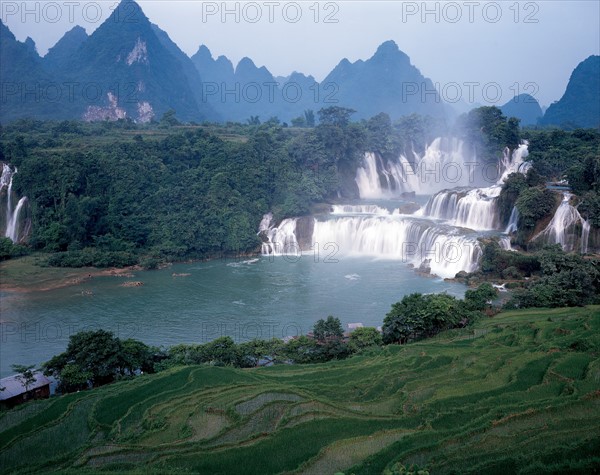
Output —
(8, 249)
(499, 263)
(567, 280)
(419, 316)
(97, 358)
(548, 277)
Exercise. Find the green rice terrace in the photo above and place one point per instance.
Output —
(517, 393)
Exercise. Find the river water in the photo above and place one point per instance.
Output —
(248, 298)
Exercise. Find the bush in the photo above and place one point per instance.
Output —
(89, 257)
(9, 250)
(534, 204)
(511, 273)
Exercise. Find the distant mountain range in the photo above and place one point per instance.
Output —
(133, 69)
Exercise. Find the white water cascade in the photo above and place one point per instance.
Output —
(439, 250)
(359, 209)
(475, 208)
(442, 164)
(12, 215)
(561, 229)
(513, 221)
(280, 240)
(372, 230)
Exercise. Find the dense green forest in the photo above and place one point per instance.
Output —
(117, 193)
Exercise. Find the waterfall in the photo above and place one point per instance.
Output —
(369, 230)
(359, 209)
(512, 221)
(513, 163)
(439, 250)
(265, 223)
(12, 226)
(12, 216)
(474, 209)
(437, 169)
(505, 243)
(280, 240)
(561, 229)
(425, 174)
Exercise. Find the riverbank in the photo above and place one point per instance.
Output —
(26, 274)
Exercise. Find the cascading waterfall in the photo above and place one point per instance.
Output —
(475, 208)
(513, 221)
(426, 174)
(280, 240)
(561, 229)
(370, 230)
(505, 243)
(513, 163)
(359, 209)
(440, 250)
(13, 226)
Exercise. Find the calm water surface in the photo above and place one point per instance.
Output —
(244, 299)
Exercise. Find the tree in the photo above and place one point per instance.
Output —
(478, 299)
(309, 117)
(534, 204)
(25, 376)
(98, 354)
(330, 329)
(254, 120)
(139, 356)
(251, 352)
(74, 378)
(336, 116)
(365, 337)
(299, 122)
(168, 119)
(221, 351)
(420, 316)
(379, 130)
(302, 350)
(405, 320)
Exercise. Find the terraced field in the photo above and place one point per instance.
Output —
(520, 393)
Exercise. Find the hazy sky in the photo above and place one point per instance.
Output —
(504, 47)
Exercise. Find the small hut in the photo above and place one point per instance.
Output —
(13, 391)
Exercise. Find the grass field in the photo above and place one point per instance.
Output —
(519, 393)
